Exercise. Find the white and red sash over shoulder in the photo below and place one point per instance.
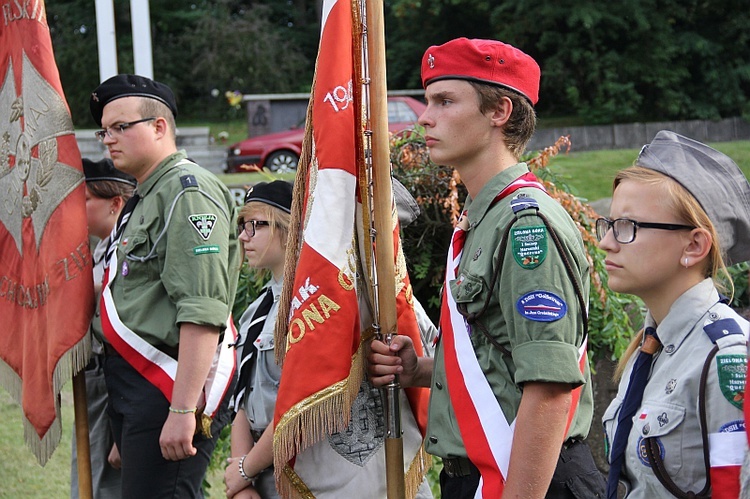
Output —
(158, 367)
(486, 432)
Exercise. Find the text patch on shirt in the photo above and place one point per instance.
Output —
(529, 245)
(541, 306)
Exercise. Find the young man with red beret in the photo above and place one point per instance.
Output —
(511, 395)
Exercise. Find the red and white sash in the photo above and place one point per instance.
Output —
(158, 367)
(486, 432)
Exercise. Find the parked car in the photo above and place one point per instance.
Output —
(280, 151)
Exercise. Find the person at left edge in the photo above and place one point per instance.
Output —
(107, 191)
(170, 282)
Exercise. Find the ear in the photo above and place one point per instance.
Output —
(162, 128)
(502, 112)
(117, 203)
(699, 243)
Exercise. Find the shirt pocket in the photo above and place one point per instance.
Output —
(662, 422)
(139, 266)
(467, 292)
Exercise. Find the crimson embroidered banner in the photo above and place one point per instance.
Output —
(325, 443)
(46, 284)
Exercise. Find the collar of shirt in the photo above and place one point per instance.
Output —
(163, 167)
(478, 208)
(684, 314)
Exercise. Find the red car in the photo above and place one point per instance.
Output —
(280, 151)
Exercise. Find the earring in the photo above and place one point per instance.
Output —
(111, 212)
(686, 262)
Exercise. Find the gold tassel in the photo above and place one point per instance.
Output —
(205, 425)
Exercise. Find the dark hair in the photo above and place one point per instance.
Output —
(108, 189)
(522, 122)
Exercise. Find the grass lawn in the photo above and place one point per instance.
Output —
(590, 173)
(20, 473)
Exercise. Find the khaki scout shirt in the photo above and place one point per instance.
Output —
(545, 351)
(188, 239)
(669, 411)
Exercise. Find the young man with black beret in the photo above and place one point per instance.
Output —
(511, 395)
(168, 291)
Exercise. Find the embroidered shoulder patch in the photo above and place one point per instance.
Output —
(738, 425)
(204, 224)
(732, 370)
(541, 306)
(529, 245)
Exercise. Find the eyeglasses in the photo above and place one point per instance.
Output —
(625, 228)
(118, 129)
(249, 226)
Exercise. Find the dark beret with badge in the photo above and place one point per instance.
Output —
(105, 170)
(716, 182)
(483, 61)
(126, 85)
(277, 194)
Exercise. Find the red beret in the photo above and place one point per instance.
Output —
(483, 61)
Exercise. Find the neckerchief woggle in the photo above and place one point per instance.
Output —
(486, 433)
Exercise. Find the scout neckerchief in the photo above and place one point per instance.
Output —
(249, 355)
(486, 433)
(156, 366)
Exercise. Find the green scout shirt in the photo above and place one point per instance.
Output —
(191, 273)
(541, 351)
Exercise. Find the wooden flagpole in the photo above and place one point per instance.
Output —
(83, 448)
(383, 223)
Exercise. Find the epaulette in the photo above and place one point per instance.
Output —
(188, 180)
(723, 328)
(522, 202)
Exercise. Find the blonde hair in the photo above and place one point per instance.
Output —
(684, 205)
(278, 220)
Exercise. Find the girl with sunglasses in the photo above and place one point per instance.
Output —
(678, 217)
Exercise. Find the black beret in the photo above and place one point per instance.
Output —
(277, 193)
(129, 86)
(105, 170)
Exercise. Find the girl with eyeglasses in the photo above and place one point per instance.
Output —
(263, 226)
(676, 427)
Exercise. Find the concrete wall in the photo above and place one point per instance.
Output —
(635, 135)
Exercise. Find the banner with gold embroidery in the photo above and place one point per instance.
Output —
(46, 283)
(329, 429)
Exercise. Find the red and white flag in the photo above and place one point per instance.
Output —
(46, 283)
(317, 452)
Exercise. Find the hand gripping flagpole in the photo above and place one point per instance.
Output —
(376, 104)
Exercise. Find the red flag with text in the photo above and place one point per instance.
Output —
(324, 442)
(46, 285)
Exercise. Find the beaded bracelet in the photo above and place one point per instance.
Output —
(182, 411)
(240, 465)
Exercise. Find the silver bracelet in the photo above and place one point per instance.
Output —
(241, 466)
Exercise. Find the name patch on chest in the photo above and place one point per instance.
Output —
(203, 223)
(529, 245)
(541, 306)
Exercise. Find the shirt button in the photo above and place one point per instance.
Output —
(438, 385)
(433, 439)
(669, 348)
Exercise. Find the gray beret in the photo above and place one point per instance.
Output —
(713, 179)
